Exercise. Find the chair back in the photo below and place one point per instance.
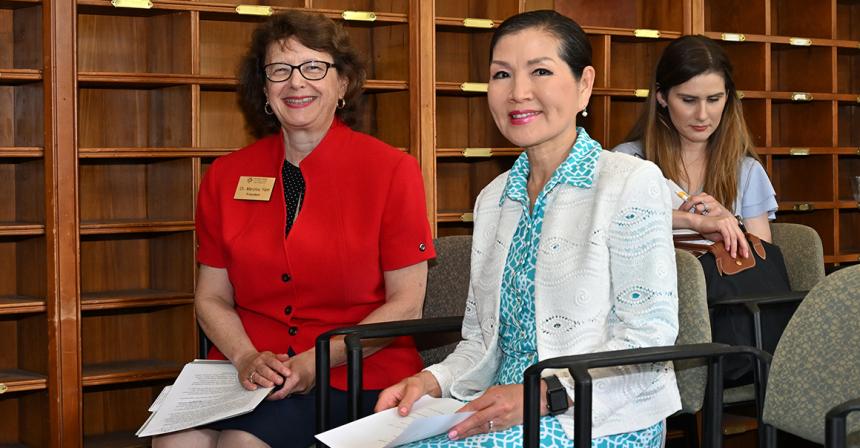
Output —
(803, 253)
(447, 289)
(694, 327)
(815, 365)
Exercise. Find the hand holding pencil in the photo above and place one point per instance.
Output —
(701, 203)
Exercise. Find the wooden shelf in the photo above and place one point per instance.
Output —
(12, 4)
(32, 152)
(119, 79)
(121, 227)
(129, 372)
(805, 206)
(465, 88)
(21, 305)
(11, 76)
(734, 36)
(379, 85)
(465, 152)
(21, 229)
(798, 152)
(17, 380)
(133, 299)
(453, 216)
(460, 22)
(143, 153)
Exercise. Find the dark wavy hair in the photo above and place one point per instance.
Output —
(574, 47)
(314, 31)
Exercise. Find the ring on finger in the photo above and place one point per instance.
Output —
(490, 425)
(251, 376)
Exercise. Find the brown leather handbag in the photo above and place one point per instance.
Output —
(762, 274)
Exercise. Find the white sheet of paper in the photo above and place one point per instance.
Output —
(161, 396)
(204, 392)
(429, 416)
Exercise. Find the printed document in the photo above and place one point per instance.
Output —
(429, 417)
(205, 392)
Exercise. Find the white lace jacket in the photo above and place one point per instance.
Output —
(605, 280)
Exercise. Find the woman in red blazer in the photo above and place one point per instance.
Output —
(311, 228)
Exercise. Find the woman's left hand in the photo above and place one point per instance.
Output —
(301, 376)
(500, 408)
(703, 204)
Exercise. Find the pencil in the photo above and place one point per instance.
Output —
(683, 195)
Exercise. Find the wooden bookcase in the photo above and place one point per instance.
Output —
(469, 150)
(797, 65)
(109, 117)
(24, 369)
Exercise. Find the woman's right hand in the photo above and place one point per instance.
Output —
(405, 393)
(723, 228)
(264, 369)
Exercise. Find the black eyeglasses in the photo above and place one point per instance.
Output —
(310, 70)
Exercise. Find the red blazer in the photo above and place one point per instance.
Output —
(363, 213)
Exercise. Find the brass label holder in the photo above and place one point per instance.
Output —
(478, 152)
(254, 10)
(470, 22)
(474, 87)
(137, 4)
(359, 16)
(733, 37)
(647, 33)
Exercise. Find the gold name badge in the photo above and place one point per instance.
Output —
(251, 188)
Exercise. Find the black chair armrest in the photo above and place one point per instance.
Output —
(204, 344)
(762, 299)
(353, 336)
(752, 303)
(578, 366)
(835, 433)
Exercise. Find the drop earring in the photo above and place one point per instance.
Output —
(267, 108)
(584, 113)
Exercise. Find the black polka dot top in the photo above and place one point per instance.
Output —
(294, 192)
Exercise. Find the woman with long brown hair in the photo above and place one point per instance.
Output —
(693, 129)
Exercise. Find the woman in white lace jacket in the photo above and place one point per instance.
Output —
(572, 253)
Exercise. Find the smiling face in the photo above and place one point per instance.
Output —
(696, 107)
(298, 103)
(533, 94)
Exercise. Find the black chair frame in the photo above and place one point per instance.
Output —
(835, 427)
(753, 304)
(353, 336)
(578, 366)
